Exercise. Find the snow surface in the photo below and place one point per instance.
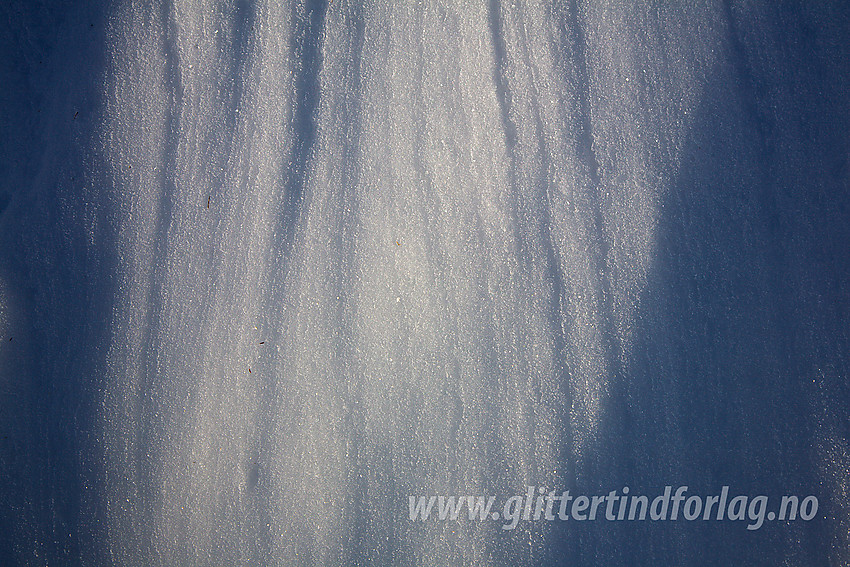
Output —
(268, 268)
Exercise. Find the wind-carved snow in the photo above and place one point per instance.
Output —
(335, 254)
(439, 220)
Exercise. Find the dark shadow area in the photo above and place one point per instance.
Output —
(738, 373)
(57, 258)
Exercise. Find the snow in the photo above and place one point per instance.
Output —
(270, 268)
